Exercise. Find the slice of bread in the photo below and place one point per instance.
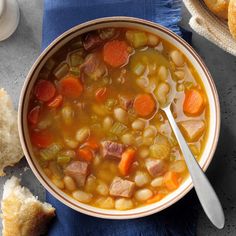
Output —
(218, 7)
(22, 213)
(232, 17)
(10, 148)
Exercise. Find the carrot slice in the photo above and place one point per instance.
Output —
(101, 94)
(92, 143)
(33, 116)
(56, 102)
(115, 53)
(85, 154)
(171, 180)
(194, 103)
(71, 87)
(126, 161)
(144, 104)
(155, 198)
(41, 139)
(44, 90)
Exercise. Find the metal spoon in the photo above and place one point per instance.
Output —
(204, 190)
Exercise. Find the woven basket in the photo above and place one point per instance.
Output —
(205, 23)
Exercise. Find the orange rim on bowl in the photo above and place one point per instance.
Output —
(173, 39)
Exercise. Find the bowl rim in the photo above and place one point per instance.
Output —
(98, 21)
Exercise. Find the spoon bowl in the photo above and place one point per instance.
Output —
(205, 192)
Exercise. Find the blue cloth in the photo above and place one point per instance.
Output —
(178, 220)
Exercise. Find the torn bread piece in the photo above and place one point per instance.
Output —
(232, 17)
(22, 213)
(10, 148)
(218, 7)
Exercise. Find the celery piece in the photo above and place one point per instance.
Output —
(76, 58)
(50, 152)
(61, 71)
(75, 70)
(106, 33)
(77, 43)
(50, 64)
(63, 160)
(137, 39)
(118, 129)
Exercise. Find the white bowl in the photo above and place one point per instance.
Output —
(169, 36)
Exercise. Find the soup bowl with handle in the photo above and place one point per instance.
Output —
(181, 45)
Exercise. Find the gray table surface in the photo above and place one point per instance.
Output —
(19, 52)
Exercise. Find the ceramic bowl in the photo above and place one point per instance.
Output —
(164, 33)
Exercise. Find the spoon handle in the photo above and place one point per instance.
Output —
(204, 190)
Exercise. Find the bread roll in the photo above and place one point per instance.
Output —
(232, 17)
(22, 213)
(218, 7)
(10, 148)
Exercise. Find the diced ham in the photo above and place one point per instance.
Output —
(126, 102)
(92, 41)
(112, 149)
(78, 170)
(122, 188)
(156, 167)
(192, 129)
(93, 66)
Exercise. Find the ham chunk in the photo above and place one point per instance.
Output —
(192, 129)
(156, 167)
(93, 66)
(92, 41)
(121, 188)
(126, 102)
(112, 149)
(78, 170)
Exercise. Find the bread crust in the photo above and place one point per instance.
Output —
(218, 7)
(10, 148)
(24, 216)
(232, 17)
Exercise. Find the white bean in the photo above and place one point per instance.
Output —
(157, 182)
(69, 183)
(102, 189)
(90, 183)
(161, 92)
(150, 131)
(82, 134)
(105, 202)
(71, 143)
(179, 75)
(143, 194)
(82, 196)
(143, 152)
(123, 204)
(58, 182)
(127, 139)
(177, 58)
(121, 115)
(148, 140)
(96, 160)
(141, 178)
(162, 73)
(138, 124)
(107, 122)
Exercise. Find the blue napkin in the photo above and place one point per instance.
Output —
(178, 220)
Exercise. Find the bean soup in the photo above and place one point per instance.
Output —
(95, 124)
